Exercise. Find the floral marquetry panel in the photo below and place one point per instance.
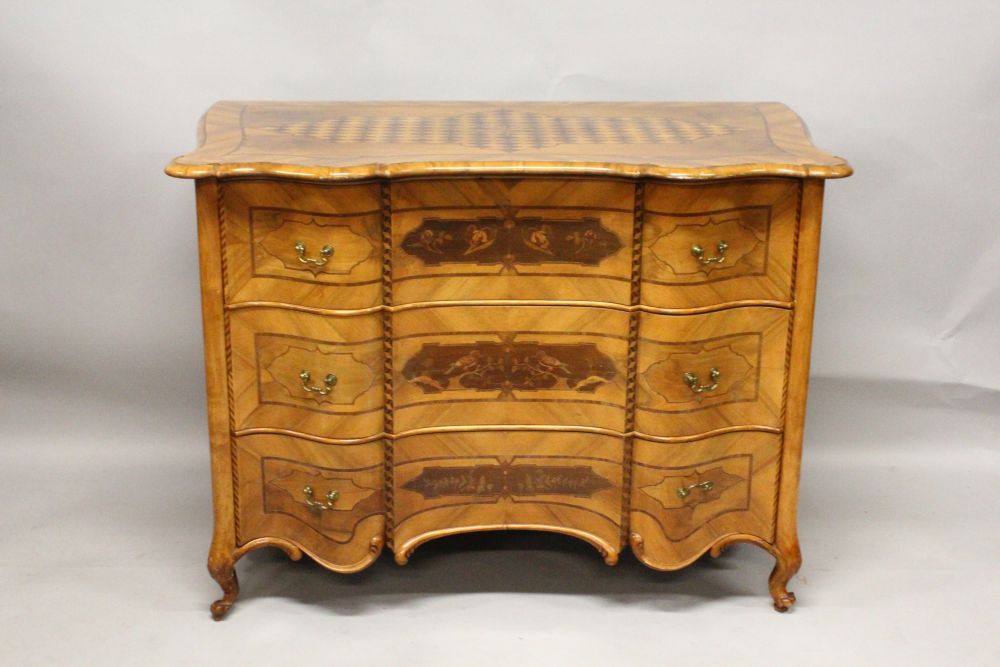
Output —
(569, 482)
(512, 238)
(513, 241)
(506, 480)
(509, 365)
(497, 365)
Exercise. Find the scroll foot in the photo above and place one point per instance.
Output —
(226, 577)
(784, 569)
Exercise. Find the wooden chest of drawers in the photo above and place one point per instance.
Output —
(424, 319)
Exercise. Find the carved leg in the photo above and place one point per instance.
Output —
(226, 576)
(785, 567)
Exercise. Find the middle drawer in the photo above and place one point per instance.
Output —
(501, 365)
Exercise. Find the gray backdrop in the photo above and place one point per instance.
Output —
(101, 395)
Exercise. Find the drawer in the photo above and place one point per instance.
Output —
(500, 365)
(567, 239)
(310, 245)
(272, 348)
(686, 496)
(327, 499)
(567, 482)
(698, 373)
(705, 244)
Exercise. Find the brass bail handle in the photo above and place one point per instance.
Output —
(325, 252)
(327, 387)
(720, 247)
(685, 491)
(693, 383)
(331, 498)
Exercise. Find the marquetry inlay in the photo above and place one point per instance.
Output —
(509, 365)
(502, 128)
(423, 319)
(505, 480)
(511, 241)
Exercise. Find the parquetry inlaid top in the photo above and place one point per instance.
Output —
(351, 140)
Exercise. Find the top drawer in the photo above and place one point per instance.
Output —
(512, 238)
(712, 243)
(303, 244)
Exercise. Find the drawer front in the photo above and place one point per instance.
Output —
(451, 482)
(705, 244)
(567, 239)
(328, 499)
(698, 373)
(271, 349)
(687, 496)
(309, 245)
(499, 365)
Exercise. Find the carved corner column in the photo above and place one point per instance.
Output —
(221, 559)
(787, 552)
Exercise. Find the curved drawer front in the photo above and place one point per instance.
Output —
(687, 496)
(342, 394)
(455, 482)
(512, 239)
(698, 373)
(327, 499)
(502, 365)
(705, 244)
(311, 245)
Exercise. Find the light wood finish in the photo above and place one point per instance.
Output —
(276, 470)
(686, 497)
(563, 482)
(222, 554)
(745, 345)
(500, 365)
(755, 219)
(350, 140)
(264, 221)
(270, 348)
(463, 239)
(521, 334)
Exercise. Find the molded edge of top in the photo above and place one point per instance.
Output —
(215, 132)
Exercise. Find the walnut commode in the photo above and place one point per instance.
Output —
(428, 319)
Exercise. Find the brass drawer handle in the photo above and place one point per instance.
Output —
(699, 253)
(327, 387)
(685, 491)
(692, 381)
(331, 498)
(325, 252)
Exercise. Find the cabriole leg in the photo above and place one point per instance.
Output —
(225, 575)
(785, 567)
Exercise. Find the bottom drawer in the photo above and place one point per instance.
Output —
(685, 496)
(326, 499)
(451, 482)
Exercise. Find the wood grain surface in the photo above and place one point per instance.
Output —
(357, 140)
(756, 221)
(687, 496)
(515, 316)
(746, 346)
(569, 482)
(346, 535)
